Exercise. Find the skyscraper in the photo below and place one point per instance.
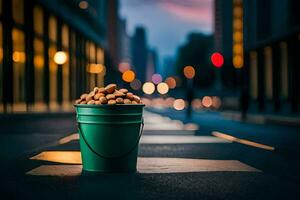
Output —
(139, 52)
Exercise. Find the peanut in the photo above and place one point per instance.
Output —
(98, 95)
(110, 96)
(119, 94)
(110, 88)
(83, 96)
(91, 102)
(78, 101)
(88, 98)
(123, 90)
(127, 101)
(103, 100)
(112, 101)
(129, 95)
(120, 100)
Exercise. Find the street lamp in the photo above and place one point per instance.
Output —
(60, 57)
(189, 73)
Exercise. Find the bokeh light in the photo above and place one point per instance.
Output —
(148, 88)
(136, 84)
(207, 101)
(179, 104)
(189, 72)
(156, 78)
(216, 102)
(19, 56)
(96, 68)
(171, 82)
(197, 104)
(60, 57)
(238, 61)
(128, 76)
(217, 59)
(83, 5)
(169, 101)
(123, 66)
(162, 88)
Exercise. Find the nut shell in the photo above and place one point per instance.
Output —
(123, 90)
(112, 101)
(103, 100)
(78, 101)
(110, 96)
(91, 102)
(98, 95)
(110, 88)
(129, 95)
(119, 100)
(83, 96)
(127, 101)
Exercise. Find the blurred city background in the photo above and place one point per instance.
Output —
(239, 55)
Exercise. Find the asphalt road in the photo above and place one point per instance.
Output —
(191, 163)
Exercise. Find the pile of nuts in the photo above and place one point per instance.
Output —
(109, 95)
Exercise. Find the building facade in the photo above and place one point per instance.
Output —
(272, 50)
(51, 51)
(139, 53)
(260, 39)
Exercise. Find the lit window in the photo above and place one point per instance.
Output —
(38, 20)
(19, 70)
(65, 36)
(38, 70)
(18, 11)
(52, 29)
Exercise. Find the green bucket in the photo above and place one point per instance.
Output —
(109, 136)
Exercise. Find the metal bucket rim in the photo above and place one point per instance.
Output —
(106, 105)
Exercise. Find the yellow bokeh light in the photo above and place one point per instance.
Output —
(19, 57)
(238, 61)
(189, 72)
(237, 48)
(238, 36)
(162, 88)
(96, 68)
(38, 61)
(128, 76)
(179, 104)
(148, 88)
(60, 57)
(238, 12)
(238, 24)
(171, 82)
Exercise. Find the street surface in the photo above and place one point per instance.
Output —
(207, 157)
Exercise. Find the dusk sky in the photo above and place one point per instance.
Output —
(168, 21)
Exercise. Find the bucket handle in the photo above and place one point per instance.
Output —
(112, 157)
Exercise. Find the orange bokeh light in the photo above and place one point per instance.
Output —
(128, 76)
(171, 82)
(189, 72)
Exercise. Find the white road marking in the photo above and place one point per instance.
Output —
(180, 139)
(242, 141)
(155, 165)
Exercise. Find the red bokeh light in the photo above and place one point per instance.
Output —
(217, 59)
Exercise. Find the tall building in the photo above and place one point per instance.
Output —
(272, 50)
(139, 52)
(124, 38)
(50, 52)
(223, 41)
(151, 66)
(263, 38)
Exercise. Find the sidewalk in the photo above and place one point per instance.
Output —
(290, 120)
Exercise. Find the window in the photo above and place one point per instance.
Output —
(52, 29)
(18, 11)
(38, 70)
(253, 75)
(0, 7)
(66, 68)
(18, 58)
(52, 65)
(268, 73)
(284, 70)
(100, 60)
(38, 20)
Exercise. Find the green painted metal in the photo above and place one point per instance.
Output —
(109, 136)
